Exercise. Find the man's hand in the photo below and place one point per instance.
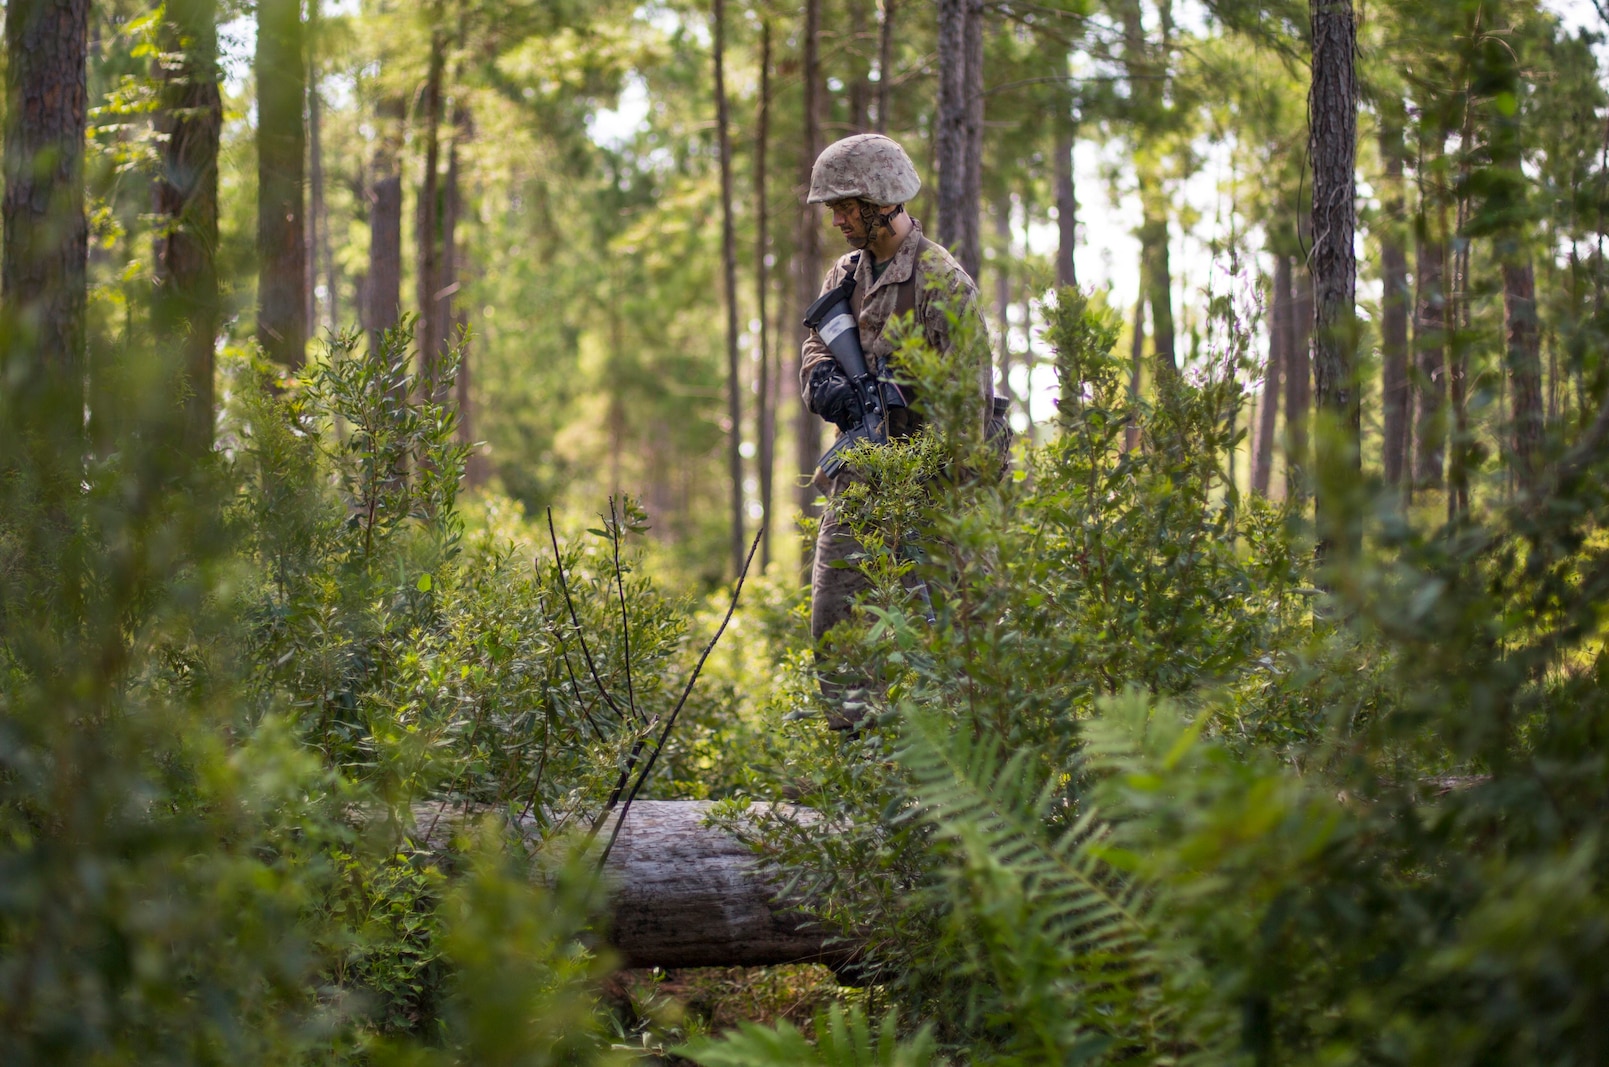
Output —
(834, 398)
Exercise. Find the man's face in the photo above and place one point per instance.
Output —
(851, 221)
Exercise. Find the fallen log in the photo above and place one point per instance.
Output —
(684, 894)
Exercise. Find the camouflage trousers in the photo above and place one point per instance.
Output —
(836, 581)
(833, 590)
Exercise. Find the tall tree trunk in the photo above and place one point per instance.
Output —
(1505, 209)
(320, 258)
(1131, 432)
(1279, 342)
(1298, 384)
(433, 312)
(1157, 275)
(959, 129)
(972, 258)
(1333, 115)
(1066, 204)
(1145, 73)
(734, 384)
(1395, 300)
(46, 235)
(765, 403)
(382, 290)
(885, 64)
(1430, 352)
(281, 191)
(860, 86)
(186, 306)
(1002, 282)
(807, 255)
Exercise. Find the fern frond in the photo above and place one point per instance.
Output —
(1065, 937)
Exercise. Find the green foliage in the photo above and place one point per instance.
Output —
(842, 1040)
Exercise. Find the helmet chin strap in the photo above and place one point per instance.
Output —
(874, 220)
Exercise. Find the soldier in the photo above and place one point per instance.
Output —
(866, 181)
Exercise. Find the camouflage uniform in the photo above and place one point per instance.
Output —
(940, 284)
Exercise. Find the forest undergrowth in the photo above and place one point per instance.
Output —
(1153, 788)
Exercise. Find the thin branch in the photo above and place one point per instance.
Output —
(625, 620)
(564, 585)
(687, 691)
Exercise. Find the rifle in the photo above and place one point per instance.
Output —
(832, 316)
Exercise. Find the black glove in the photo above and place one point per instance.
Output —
(834, 397)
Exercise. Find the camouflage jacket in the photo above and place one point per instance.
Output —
(940, 284)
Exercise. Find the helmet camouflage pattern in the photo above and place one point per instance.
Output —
(867, 166)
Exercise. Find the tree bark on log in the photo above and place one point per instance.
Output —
(683, 894)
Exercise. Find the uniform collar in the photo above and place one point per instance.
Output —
(899, 269)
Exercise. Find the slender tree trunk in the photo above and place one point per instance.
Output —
(433, 313)
(1066, 205)
(186, 307)
(807, 254)
(1157, 277)
(959, 128)
(1333, 115)
(860, 86)
(885, 64)
(452, 200)
(1506, 207)
(1279, 340)
(1394, 303)
(734, 384)
(1131, 432)
(1002, 281)
(972, 259)
(382, 290)
(1430, 354)
(315, 171)
(1298, 385)
(281, 190)
(765, 402)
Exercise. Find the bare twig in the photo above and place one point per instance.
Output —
(687, 691)
(564, 585)
(625, 619)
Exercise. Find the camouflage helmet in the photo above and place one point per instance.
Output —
(867, 166)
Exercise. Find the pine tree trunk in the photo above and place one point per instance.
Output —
(885, 64)
(959, 129)
(1430, 357)
(382, 290)
(321, 258)
(1506, 207)
(807, 269)
(734, 384)
(46, 236)
(860, 86)
(1002, 282)
(1158, 275)
(1298, 383)
(433, 315)
(1279, 341)
(1131, 432)
(765, 403)
(186, 308)
(1394, 303)
(281, 190)
(1333, 115)
(1066, 206)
